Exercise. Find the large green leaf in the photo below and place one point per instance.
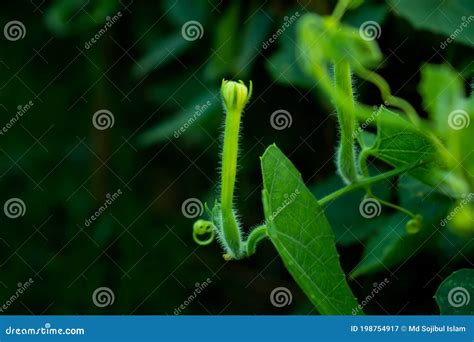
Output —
(450, 18)
(455, 295)
(401, 144)
(442, 91)
(303, 237)
(444, 98)
(322, 41)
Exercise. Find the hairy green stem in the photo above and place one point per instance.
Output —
(231, 230)
(340, 9)
(255, 236)
(364, 182)
(384, 87)
(346, 116)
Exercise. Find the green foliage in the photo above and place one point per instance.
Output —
(164, 147)
(446, 18)
(428, 151)
(298, 228)
(454, 295)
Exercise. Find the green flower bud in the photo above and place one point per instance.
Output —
(235, 95)
(414, 225)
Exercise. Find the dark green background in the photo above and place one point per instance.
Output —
(149, 77)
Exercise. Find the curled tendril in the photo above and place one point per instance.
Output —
(200, 228)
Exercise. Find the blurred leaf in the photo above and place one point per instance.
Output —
(255, 32)
(399, 143)
(392, 245)
(455, 295)
(226, 43)
(367, 12)
(442, 91)
(440, 16)
(352, 227)
(444, 98)
(321, 42)
(303, 237)
(285, 66)
(421, 199)
(200, 107)
(181, 11)
(164, 51)
(64, 17)
(389, 246)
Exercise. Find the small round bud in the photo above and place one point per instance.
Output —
(414, 225)
(235, 95)
(200, 228)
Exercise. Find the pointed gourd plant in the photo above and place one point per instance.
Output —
(295, 221)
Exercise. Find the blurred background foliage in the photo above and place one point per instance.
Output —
(153, 81)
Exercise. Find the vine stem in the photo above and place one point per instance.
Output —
(255, 236)
(386, 93)
(340, 9)
(232, 235)
(346, 116)
(367, 181)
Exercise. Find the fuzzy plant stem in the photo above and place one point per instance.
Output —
(346, 159)
(367, 181)
(256, 235)
(231, 230)
(386, 93)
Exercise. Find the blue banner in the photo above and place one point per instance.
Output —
(237, 328)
